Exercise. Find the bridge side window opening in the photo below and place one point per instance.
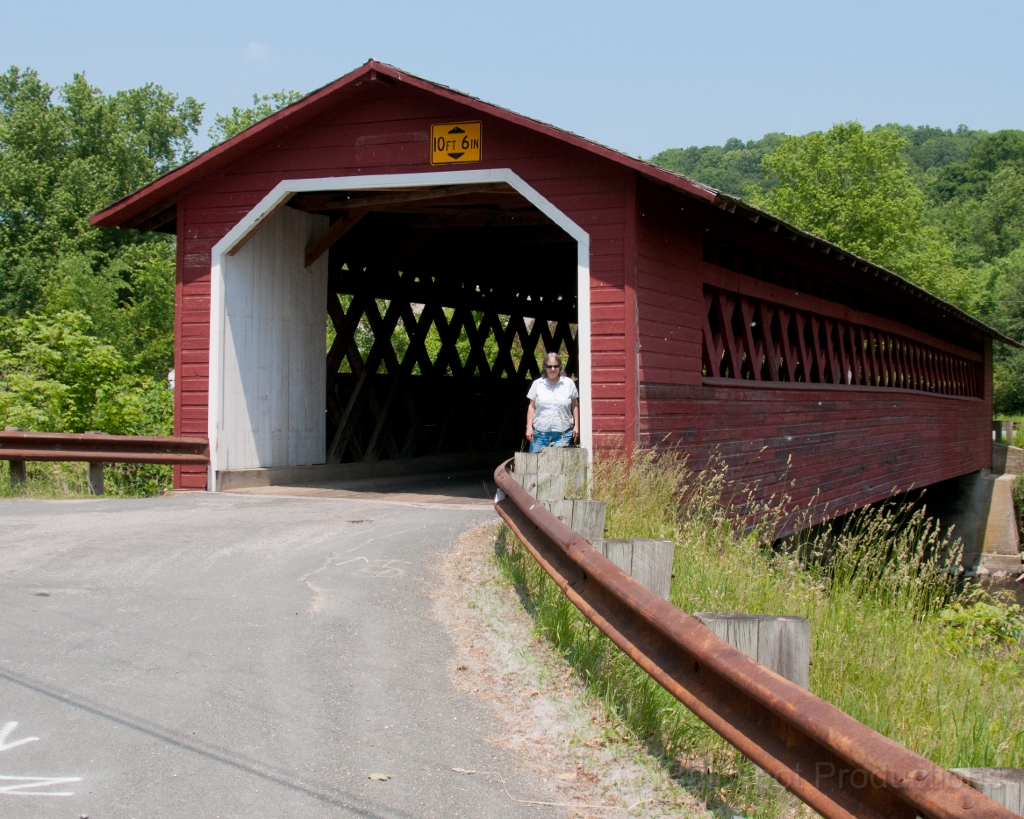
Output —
(745, 338)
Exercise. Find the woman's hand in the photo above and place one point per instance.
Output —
(530, 411)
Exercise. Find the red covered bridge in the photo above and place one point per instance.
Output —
(448, 242)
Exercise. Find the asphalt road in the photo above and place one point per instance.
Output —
(236, 656)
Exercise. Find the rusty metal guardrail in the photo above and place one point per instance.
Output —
(836, 765)
(100, 448)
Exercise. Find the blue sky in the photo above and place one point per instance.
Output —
(639, 76)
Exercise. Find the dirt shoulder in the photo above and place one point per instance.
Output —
(549, 722)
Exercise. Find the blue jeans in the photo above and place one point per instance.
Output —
(551, 438)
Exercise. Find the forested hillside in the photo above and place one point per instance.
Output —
(943, 208)
(87, 315)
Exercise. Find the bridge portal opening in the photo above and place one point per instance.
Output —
(441, 302)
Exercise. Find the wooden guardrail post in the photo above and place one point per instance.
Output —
(1002, 432)
(95, 474)
(646, 560)
(557, 477)
(782, 644)
(18, 472)
(585, 517)
(1002, 785)
(95, 479)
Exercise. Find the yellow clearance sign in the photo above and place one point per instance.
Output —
(456, 142)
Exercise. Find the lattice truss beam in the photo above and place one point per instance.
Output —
(437, 333)
(747, 338)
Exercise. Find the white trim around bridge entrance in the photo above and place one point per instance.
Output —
(283, 191)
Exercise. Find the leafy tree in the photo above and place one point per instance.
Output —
(55, 375)
(977, 202)
(226, 126)
(60, 161)
(130, 303)
(853, 187)
(1004, 310)
(929, 149)
(849, 186)
(731, 168)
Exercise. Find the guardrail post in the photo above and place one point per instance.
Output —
(95, 478)
(1002, 785)
(585, 517)
(649, 561)
(18, 473)
(588, 518)
(1002, 432)
(782, 644)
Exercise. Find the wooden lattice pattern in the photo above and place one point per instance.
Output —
(408, 379)
(747, 338)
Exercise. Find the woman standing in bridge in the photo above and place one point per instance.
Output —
(553, 418)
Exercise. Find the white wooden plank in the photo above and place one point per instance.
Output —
(784, 646)
(238, 414)
(314, 390)
(588, 518)
(526, 462)
(275, 390)
(268, 330)
(292, 353)
(561, 509)
(263, 349)
(780, 643)
(652, 564)
(619, 552)
(242, 414)
(527, 480)
(278, 374)
(286, 379)
(550, 486)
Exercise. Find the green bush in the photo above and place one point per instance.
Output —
(56, 376)
(981, 626)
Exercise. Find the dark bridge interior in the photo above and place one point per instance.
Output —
(441, 304)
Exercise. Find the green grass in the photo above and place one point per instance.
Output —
(894, 644)
(69, 480)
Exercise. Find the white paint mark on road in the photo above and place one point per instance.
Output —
(353, 560)
(383, 568)
(385, 536)
(30, 782)
(29, 785)
(6, 732)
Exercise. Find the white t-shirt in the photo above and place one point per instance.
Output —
(554, 404)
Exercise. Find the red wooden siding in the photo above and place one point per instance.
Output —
(850, 445)
(385, 130)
